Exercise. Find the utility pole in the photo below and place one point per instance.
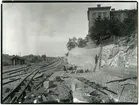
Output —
(100, 56)
(98, 59)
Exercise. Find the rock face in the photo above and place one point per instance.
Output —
(113, 56)
(131, 58)
(119, 57)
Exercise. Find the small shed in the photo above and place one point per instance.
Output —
(16, 60)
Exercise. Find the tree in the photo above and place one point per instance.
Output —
(81, 42)
(100, 29)
(105, 28)
(130, 23)
(67, 54)
(72, 43)
(74, 39)
(34, 59)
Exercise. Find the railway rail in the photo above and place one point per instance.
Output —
(22, 85)
(26, 85)
(19, 69)
(19, 74)
(15, 70)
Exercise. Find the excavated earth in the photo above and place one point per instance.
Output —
(87, 87)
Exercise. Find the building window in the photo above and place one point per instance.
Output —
(99, 14)
(105, 14)
(94, 14)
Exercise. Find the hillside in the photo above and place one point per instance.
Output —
(123, 54)
(118, 61)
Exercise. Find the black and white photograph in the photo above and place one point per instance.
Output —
(69, 52)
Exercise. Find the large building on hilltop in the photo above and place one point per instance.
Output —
(120, 14)
(102, 12)
(96, 12)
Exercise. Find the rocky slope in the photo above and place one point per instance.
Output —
(123, 55)
(121, 58)
(116, 67)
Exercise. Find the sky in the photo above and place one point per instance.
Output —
(44, 28)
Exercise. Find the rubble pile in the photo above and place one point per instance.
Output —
(68, 90)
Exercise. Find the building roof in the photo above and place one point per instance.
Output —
(17, 57)
(99, 8)
(126, 10)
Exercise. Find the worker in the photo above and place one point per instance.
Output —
(65, 69)
(96, 59)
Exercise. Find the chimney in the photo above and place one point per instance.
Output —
(99, 5)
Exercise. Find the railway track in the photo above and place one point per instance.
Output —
(23, 85)
(19, 69)
(26, 85)
(15, 70)
(8, 78)
(23, 73)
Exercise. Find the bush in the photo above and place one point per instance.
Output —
(72, 43)
(67, 54)
(81, 42)
(105, 28)
(6, 63)
(130, 23)
(36, 59)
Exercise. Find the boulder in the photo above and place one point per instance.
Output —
(46, 84)
(49, 84)
(63, 93)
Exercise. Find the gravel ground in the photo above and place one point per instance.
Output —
(8, 68)
(101, 78)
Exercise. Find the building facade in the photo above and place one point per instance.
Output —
(120, 14)
(96, 12)
(17, 60)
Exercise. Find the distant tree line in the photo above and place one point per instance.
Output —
(35, 58)
(6, 58)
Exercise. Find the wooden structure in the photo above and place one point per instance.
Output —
(16, 60)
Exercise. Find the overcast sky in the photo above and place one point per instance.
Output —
(45, 28)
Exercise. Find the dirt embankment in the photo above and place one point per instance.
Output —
(118, 58)
(84, 58)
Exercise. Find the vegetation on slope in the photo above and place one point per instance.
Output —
(74, 42)
(108, 28)
(107, 31)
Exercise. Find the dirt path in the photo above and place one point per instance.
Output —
(119, 72)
